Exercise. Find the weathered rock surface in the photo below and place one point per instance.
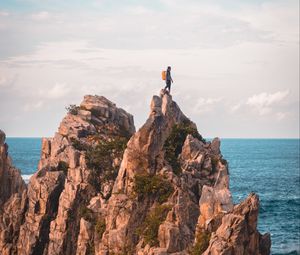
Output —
(11, 181)
(164, 194)
(12, 200)
(237, 233)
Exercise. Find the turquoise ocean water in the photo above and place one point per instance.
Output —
(269, 167)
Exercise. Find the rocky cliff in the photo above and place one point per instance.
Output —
(102, 188)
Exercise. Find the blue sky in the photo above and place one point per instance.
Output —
(235, 63)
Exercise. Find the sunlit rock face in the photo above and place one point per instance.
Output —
(103, 188)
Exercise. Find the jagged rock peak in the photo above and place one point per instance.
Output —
(238, 234)
(101, 188)
(2, 137)
(11, 181)
(12, 200)
(93, 113)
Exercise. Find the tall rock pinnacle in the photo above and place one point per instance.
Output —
(102, 188)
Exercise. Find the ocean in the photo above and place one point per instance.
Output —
(269, 167)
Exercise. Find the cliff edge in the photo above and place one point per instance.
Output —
(103, 188)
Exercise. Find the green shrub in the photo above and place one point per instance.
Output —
(78, 145)
(149, 228)
(173, 144)
(100, 158)
(214, 161)
(63, 166)
(86, 213)
(73, 109)
(152, 185)
(202, 242)
(90, 249)
(100, 227)
(224, 162)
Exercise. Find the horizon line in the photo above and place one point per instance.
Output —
(266, 138)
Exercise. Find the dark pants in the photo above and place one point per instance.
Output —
(168, 85)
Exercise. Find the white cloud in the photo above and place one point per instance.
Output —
(263, 102)
(217, 51)
(7, 80)
(3, 81)
(277, 17)
(33, 106)
(4, 13)
(204, 105)
(40, 16)
(59, 90)
(281, 115)
(235, 107)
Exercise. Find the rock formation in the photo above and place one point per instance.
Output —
(102, 188)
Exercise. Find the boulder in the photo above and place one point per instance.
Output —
(2, 137)
(238, 233)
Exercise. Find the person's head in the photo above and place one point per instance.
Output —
(169, 68)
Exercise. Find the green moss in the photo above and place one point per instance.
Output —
(63, 166)
(173, 144)
(73, 109)
(152, 185)
(100, 227)
(149, 229)
(202, 242)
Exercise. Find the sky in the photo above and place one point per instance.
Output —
(235, 64)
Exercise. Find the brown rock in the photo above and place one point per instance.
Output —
(238, 234)
(69, 208)
(2, 137)
(215, 146)
(85, 242)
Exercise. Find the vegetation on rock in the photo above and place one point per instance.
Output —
(100, 159)
(202, 242)
(63, 166)
(73, 109)
(78, 145)
(86, 213)
(100, 227)
(173, 144)
(149, 228)
(152, 185)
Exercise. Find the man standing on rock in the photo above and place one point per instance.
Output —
(168, 79)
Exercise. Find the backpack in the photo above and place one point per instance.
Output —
(163, 75)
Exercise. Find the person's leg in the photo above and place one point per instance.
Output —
(169, 85)
(166, 85)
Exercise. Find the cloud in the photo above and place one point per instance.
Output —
(4, 13)
(220, 52)
(59, 90)
(282, 115)
(263, 102)
(135, 27)
(235, 107)
(7, 80)
(40, 16)
(33, 106)
(3, 81)
(204, 105)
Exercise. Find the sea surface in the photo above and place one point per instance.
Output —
(269, 167)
